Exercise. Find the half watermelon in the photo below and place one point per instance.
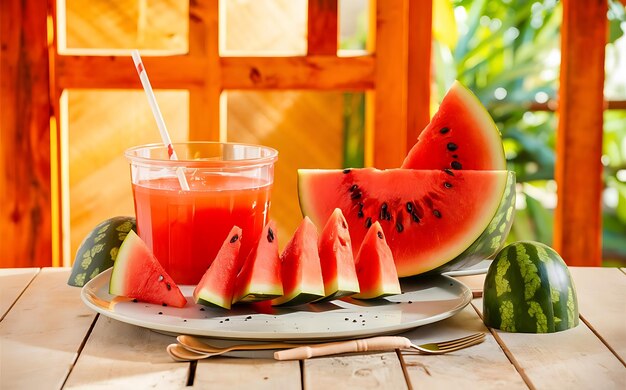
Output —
(431, 218)
(461, 135)
(138, 274)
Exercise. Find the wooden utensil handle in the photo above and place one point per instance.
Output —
(382, 343)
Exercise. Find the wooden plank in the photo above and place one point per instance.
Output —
(389, 139)
(602, 304)
(482, 366)
(229, 373)
(123, 356)
(204, 101)
(13, 281)
(41, 334)
(419, 68)
(571, 359)
(578, 170)
(311, 72)
(366, 371)
(25, 136)
(322, 21)
(119, 72)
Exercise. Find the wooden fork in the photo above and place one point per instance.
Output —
(383, 343)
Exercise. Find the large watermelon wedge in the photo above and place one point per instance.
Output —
(461, 135)
(432, 219)
(138, 274)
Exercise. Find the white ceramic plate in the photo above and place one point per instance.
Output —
(476, 269)
(422, 302)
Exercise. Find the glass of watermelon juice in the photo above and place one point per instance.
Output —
(229, 184)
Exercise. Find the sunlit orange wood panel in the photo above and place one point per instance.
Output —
(204, 48)
(25, 206)
(322, 21)
(419, 68)
(389, 101)
(578, 224)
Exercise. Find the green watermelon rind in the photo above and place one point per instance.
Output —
(99, 249)
(492, 239)
(528, 289)
(257, 292)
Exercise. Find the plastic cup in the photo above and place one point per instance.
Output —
(230, 184)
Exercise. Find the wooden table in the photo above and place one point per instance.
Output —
(50, 339)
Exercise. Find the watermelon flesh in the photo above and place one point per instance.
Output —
(259, 279)
(138, 274)
(337, 259)
(429, 217)
(461, 135)
(300, 267)
(375, 266)
(217, 285)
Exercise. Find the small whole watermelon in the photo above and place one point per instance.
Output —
(528, 289)
(99, 249)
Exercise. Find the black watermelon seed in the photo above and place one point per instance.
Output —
(455, 156)
(449, 172)
(354, 187)
(409, 207)
(270, 235)
(202, 309)
(353, 320)
(169, 287)
(346, 171)
(360, 315)
(456, 165)
(234, 238)
(221, 322)
(447, 185)
(452, 146)
(399, 227)
(436, 213)
(380, 235)
(160, 313)
(360, 214)
(160, 278)
(248, 317)
(383, 211)
(135, 300)
(355, 195)
(444, 130)
(368, 222)
(184, 320)
(346, 319)
(164, 304)
(415, 217)
(228, 319)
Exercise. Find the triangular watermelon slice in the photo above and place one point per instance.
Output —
(218, 282)
(337, 260)
(375, 267)
(300, 268)
(259, 278)
(138, 274)
(461, 135)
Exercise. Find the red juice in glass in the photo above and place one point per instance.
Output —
(228, 185)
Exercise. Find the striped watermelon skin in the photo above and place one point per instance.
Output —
(528, 289)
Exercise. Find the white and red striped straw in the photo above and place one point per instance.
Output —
(165, 136)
